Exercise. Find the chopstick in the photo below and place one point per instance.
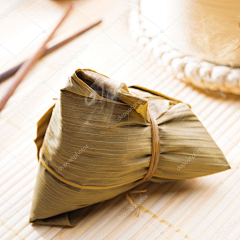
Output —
(25, 68)
(7, 74)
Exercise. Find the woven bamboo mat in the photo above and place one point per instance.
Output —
(203, 208)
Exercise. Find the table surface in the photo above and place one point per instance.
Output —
(203, 208)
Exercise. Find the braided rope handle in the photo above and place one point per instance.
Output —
(201, 74)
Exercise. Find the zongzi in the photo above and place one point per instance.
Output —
(103, 138)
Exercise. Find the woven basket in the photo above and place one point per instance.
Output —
(202, 74)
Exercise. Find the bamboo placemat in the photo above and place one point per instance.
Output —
(203, 208)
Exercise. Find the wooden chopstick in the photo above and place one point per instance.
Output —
(7, 74)
(25, 68)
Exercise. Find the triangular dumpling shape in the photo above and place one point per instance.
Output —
(95, 144)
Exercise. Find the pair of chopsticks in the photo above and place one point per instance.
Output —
(23, 68)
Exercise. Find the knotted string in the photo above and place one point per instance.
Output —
(153, 161)
(132, 200)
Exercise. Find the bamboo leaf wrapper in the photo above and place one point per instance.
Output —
(95, 143)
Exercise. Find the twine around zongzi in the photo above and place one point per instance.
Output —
(153, 161)
(155, 149)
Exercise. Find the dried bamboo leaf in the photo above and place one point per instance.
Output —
(95, 144)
